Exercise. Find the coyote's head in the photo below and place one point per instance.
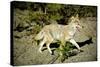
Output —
(75, 22)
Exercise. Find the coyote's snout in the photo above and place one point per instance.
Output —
(56, 32)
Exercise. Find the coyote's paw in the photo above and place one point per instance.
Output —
(40, 51)
(50, 52)
(81, 50)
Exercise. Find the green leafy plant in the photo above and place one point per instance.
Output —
(65, 49)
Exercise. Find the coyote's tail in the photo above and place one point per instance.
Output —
(40, 35)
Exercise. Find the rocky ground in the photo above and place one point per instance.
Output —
(25, 49)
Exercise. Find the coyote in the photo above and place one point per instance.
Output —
(56, 32)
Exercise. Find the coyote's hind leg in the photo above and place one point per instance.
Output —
(41, 45)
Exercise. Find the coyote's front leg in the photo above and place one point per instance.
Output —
(75, 44)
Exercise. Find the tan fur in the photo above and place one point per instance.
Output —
(56, 32)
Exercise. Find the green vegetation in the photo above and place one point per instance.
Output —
(68, 47)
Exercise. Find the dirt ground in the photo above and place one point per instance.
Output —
(26, 51)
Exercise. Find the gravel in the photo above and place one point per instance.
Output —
(26, 51)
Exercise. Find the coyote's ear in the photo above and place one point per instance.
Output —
(72, 18)
(77, 16)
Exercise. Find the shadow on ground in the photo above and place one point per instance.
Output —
(25, 52)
